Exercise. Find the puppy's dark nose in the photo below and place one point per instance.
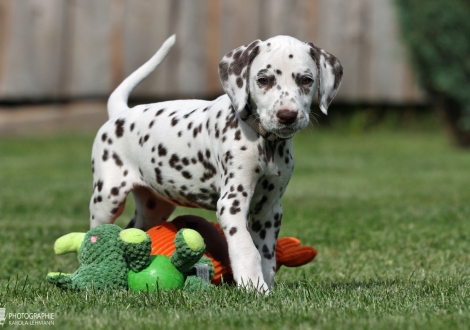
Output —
(286, 117)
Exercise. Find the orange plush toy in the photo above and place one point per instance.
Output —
(289, 251)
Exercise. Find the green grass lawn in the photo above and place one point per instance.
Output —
(388, 211)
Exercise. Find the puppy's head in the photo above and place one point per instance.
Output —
(278, 78)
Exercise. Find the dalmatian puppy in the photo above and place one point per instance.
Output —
(232, 155)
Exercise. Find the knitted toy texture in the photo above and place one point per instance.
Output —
(112, 258)
(106, 254)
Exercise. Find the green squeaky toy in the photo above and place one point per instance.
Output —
(113, 258)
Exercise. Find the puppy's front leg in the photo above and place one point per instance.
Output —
(265, 227)
(244, 257)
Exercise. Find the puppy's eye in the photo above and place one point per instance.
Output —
(263, 80)
(306, 80)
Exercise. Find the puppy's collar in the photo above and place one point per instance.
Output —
(254, 123)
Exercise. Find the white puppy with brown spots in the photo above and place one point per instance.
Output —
(232, 155)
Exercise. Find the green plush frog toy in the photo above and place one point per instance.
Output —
(113, 258)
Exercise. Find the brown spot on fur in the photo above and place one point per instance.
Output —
(120, 127)
(117, 160)
(243, 59)
(232, 231)
(223, 71)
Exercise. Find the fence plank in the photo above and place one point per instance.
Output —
(386, 65)
(239, 24)
(5, 37)
(311, 17)
(88, 68)
(191, 72)
(32, 50)
(341, 35)
(285, 18)
(146, 26)
(213, 47)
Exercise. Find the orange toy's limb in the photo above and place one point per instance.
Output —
(290, 253)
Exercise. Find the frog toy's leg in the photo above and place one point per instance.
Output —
(199, 277)
(62, 280)
(66, 244)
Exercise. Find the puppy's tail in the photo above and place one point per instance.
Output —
(117, 102)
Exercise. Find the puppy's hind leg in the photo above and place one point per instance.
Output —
(150, 209)
(107, 202)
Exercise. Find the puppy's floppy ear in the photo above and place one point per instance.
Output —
(234, 72)
(330, 73)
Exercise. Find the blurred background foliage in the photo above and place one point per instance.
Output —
(437, 33)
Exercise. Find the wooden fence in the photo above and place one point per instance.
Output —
(70, 49)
